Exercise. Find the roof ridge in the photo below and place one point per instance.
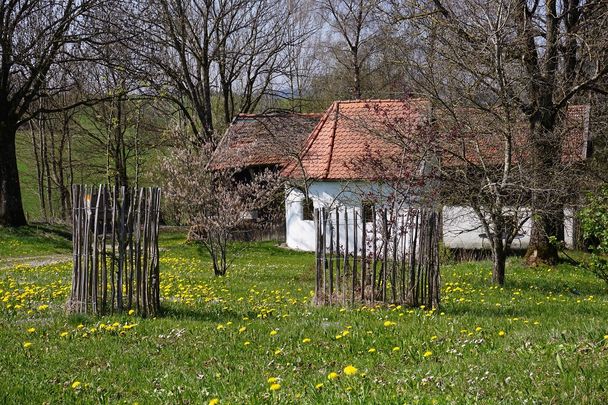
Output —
(315, 133)
(278, 114)
(384, 100)
(333, 140)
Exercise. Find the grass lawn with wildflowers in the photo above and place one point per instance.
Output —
(255, 337)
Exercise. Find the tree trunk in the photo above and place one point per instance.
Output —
(499, 258)
(39, 175)
(356, 76)
(547, 204)
(47, 170)
(541, 250)
(11, 207)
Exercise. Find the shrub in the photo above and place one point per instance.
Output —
(594, 224)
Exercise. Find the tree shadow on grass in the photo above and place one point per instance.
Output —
(567, 285)
(526, 310)
(203, 314)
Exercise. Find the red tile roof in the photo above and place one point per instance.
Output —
(262, 140)
(473, 137)
(352, 131)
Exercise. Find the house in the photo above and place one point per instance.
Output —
(352, 132)
(255, 142)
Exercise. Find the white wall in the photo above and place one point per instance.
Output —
(461, 227)
(300, 234)
(346, 197)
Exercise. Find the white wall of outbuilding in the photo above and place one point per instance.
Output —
(461, 226)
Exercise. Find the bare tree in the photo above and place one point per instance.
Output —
(213, 203)
(36, 37)
(51, 138)
(355, 23)
(529, 57)
(193, 51)
(475, 157)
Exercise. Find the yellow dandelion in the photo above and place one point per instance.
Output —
(214, 401)
(396, 348)
(428, 353)
(242, 329)
(319, 386)
(31, 330)
(433, 338)
(131, 311)
(332, 376)
(501, 333)
(389, 323)
(26, 344)
(42, 307)
(306, 340)
(350, 370)
(63, 334)
(272, 380)
(275, 387)
(278, 351)
(247, 343)
(371, 350)
(273, 332)
(478, 329)
(76, 385)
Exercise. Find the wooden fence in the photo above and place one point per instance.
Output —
(380, 256)
(115, 246)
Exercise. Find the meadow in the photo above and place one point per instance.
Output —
(254, 336)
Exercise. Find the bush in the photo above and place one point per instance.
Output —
(594, 224)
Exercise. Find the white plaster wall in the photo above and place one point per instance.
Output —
(463, 230)
(346, 198)
(461, 227)
(300, 234)
(569, 214)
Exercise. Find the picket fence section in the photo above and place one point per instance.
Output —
(382, 256)
(115, 247)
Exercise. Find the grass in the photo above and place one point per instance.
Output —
(89, 167)
(34, 240)
(539, 339)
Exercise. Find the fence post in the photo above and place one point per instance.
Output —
(91, 222)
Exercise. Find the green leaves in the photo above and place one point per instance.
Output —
(594, 221)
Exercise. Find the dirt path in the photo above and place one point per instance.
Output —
(34, 261)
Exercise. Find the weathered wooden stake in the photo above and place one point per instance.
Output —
(130, 265)
(405, 246)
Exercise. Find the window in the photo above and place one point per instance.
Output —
(308, 210)
(367, 211)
